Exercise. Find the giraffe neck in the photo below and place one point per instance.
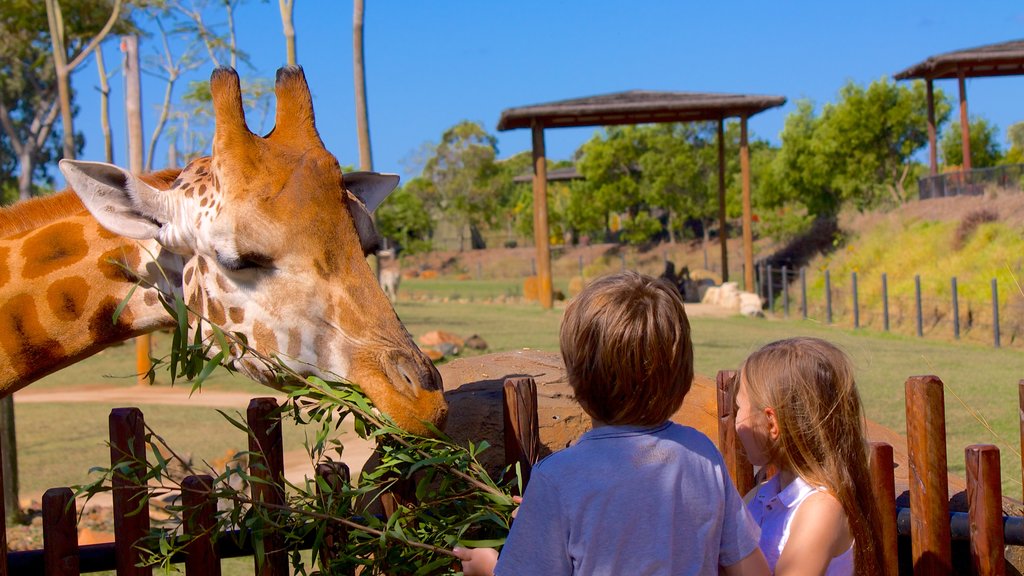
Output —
(62, 277)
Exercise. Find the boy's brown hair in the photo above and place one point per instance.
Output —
(625, 340)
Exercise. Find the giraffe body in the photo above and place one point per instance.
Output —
(266, 238)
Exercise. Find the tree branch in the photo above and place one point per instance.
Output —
(96, 39)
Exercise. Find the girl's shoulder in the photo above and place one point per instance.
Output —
(821, 516)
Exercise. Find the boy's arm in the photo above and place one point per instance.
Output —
(753, 565)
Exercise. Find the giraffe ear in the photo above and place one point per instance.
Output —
(371, 187)
(118, 200)
(369, 238)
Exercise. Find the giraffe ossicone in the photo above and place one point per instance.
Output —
(265, 237)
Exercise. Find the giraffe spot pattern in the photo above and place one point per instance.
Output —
(187, 279)
(216, 311)
(223, 284)
(23, 337)
(266, 340)
(53, 248)
(105, 234)
(150, 298)
(102, 327)
(5, 272)
(120, 263)
(236, 314)
(67, 297)
(294, 342)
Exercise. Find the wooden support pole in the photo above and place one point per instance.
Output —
(740, 469)
(929, 489)
(723, 235)
(131, 511)
(933, 153)
(540, 217)
(884, 484)
(3, 516)
(267, 464)
(985, 511)
(522, 430)
(331, 554)
(60, 533)
(965, 128)
(748, 212)
(1020, 412)
(200, 507)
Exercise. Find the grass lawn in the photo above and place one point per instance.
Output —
(58, 443)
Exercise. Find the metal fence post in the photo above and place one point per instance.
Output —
(771, 288)
(885, 301)
(785, 291)
(856, 305)
(803, 291)
(995, 313)
(956, 311)
(828, 297)
(917, 297)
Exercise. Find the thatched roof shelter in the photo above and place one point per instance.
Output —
(639, 107)
(1002, 59)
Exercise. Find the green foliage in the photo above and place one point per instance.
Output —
(455, 502)
(404, 219)
(858, 151)
(985, 151)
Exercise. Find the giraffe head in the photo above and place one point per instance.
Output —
(272, 241)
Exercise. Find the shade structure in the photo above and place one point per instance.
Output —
(1001, 59)
(638, 107)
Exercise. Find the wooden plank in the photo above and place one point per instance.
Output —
(131, 510)
(199, 517)
(740, 469)
(267, 463)
(884, 484)
(522, 430)
(929, 488)
(331, 554)
(60, 533)
(984, 501)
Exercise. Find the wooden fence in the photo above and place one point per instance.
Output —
(925, 538)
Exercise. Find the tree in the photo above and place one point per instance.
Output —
(609, 164)
(66, 45)
(985, 150)
(404, 219)
(289, 29)
(359, 73)
(1015, 136)
(858, 151)
(461, 170)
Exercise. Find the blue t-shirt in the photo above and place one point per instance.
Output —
(630, 500)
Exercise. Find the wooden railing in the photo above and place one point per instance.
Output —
(918, 539)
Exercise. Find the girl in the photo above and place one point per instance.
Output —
(798, 412)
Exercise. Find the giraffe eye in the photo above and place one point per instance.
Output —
(245, 261)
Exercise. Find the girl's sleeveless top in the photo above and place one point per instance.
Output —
(774, 511)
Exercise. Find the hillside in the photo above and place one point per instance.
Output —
(975, 239)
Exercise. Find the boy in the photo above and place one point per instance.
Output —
(637, 494)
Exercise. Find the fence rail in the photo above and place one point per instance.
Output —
(918, 538)
(971, 183)
(988, 317)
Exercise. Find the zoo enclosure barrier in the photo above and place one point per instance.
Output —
(924, 538)
(971, 183)
(784, 290)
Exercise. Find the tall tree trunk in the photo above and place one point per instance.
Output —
(359, 71)
(60, 63)
(133, 113)
(108, 140)
(26, 164)
(233, 46)
(289, 29)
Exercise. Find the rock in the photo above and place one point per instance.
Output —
(432, 353)
(751, 304)
(437, 337)
(475, 342)
(448, 349)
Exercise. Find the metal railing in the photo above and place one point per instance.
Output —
(972, 182)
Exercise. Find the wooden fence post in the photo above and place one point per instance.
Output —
(884, 484)
(267, 464)
(522, 430)
(336, 475)
(984, 497)
(929, 485)
(885, 301)
(200, 505)
(131, 510)
(740, 469)
(60, 534)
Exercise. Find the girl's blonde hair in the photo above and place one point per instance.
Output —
(809, 384)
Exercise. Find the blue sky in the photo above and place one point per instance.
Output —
(431, 64)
